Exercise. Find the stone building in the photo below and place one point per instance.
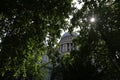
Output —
(66, 44)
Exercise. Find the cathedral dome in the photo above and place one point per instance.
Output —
(66, 44)
(67, 34)
(67, 37)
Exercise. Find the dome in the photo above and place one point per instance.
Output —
(66, 43)
(68, 34)
(68, 37)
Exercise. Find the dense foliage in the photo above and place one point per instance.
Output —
(30, 28)
(98, 57)
(27, 27)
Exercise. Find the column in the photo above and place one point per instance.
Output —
(69, 46)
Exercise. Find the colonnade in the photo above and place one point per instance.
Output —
(67, 47)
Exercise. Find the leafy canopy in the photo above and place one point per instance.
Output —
(25, 27)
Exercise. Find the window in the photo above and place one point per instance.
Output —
(68, 47)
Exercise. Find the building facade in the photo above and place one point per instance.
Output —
(66, 44)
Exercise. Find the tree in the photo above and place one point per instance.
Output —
(98, 41)
(26, 27)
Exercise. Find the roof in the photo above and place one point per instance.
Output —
(68, 37)
(69, 34)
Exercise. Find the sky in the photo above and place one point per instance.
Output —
(77, 5)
